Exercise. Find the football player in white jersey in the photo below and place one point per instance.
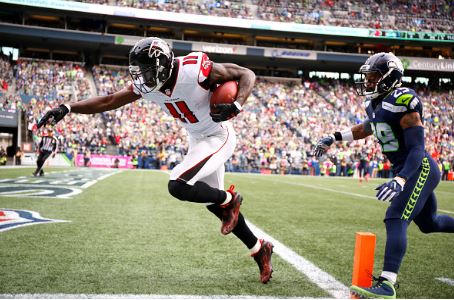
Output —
(182, 87)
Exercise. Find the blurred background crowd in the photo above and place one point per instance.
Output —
(412, 15)
(276, 132)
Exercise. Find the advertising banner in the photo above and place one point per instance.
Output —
(8, 119)
(290, 53)
(428, 64)
(105, 161)
(218, 48)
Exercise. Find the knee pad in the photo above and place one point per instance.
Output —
(179, 189)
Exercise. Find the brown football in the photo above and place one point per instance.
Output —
(224, 94)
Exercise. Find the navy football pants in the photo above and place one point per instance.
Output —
(417, 203)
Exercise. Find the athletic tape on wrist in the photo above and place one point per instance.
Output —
(68, 107)
(238, 105)
(347, 135)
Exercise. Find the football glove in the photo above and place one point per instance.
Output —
(323, 145)
(54, 115)
(389, 190)
(224, 112)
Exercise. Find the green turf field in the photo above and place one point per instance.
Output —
(127, 235)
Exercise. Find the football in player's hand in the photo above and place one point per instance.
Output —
(224, 94)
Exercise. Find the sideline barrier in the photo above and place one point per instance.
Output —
(105, 161)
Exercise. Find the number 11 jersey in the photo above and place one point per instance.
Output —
(186, 95)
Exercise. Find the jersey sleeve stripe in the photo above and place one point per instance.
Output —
(414, 102)
(189, 62)
(190, 57)
(394, 108)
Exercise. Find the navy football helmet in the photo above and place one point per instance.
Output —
(380, 73)
(150, 64)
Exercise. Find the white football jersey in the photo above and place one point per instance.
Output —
(189, 100)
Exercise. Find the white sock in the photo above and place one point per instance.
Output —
(392, 277)
(256, 248)
(228, 198)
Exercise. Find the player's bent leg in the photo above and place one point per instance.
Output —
(428, 221)
(241, 230)
(230, 211)
(396, 244)
(440, 223)
(263, 259)
(261, 250)
(200, 192)
(231, 205)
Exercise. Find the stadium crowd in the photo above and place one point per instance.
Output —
(276, 131)
(416, 16)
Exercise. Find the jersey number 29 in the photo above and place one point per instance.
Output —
(385, 135)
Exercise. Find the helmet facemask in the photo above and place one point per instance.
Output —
(379, 76)
(368, 85)
(151, 67)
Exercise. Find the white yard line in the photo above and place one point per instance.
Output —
(138, 296)
(341, 192)
(322, 279)
(446, 211)
(446, 280)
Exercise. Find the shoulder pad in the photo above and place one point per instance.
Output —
(405, 97)
(197, 65)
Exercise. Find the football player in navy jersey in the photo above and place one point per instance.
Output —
(395, 117)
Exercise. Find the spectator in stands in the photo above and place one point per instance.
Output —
(429, 16)
(282, 115)
(446, 168)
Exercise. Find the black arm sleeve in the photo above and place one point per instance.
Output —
(414, 142)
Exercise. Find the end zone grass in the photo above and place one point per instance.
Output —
(128, 236)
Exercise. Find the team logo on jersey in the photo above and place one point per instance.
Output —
(13, 218)
(206, 65)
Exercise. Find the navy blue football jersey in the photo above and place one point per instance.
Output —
(385, 122)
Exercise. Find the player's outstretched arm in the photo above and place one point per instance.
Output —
(357, 132)
(104, 103)
(90, 106)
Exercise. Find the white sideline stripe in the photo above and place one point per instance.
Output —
(326, 189)
(446, 280)
(322, 279)
(136, 296)
(342, 192)
(90, 183)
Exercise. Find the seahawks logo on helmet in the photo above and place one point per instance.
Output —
(380, 73)
(150, 64)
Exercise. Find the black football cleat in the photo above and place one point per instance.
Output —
(382, 289)
(231, 211)
(263, 260)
